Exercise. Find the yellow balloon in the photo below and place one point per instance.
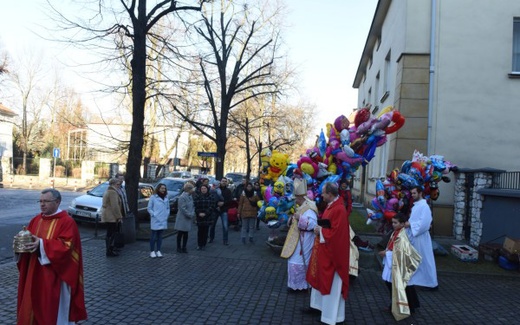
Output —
(332, 168)
(385, 110)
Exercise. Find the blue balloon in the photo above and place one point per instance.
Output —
(322, 143)
(331, 178)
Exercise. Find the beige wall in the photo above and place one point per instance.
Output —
(411, 99)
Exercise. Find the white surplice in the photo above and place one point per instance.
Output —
(419, 235)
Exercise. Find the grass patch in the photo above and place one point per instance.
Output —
(358, 222)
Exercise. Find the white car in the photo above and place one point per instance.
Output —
(86, 208)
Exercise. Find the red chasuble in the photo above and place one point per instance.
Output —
(333, 255)
(39, 285)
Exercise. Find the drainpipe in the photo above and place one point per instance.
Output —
(432, 74)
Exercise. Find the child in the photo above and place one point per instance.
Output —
(400, 261)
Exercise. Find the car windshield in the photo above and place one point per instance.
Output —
(173, 186)
(180, 174)
(237, 178)
(99, 190)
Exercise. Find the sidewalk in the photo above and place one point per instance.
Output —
(246, 284)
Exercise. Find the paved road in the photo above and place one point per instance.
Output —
(246, 284)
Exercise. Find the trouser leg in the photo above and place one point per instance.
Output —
(109, 240)
(225, 226)
(158, 238)
(179, 238)
(184, 240)
(152, 240)
(413, 298)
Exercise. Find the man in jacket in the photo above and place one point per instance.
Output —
(224, 198)
(112, 214)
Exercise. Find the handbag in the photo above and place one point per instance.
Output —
(253, 203)
(118, 238)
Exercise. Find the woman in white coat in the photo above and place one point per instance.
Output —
(159, 210)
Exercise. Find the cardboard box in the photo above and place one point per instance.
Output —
(512, 245)
(465, 253)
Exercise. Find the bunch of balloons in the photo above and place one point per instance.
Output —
(393, 193)
(337, 154)
(278, 203)
(346, 147)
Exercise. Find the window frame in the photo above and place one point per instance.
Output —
(515, 55)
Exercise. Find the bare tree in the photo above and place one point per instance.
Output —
(26, 77)
(235, 66)
(132, 20)
(285, 128)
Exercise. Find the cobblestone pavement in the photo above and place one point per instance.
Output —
(246, 284)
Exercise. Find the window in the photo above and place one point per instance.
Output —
(376, 90)
(386, 76)
(516, 45)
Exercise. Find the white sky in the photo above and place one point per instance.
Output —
(326, 40)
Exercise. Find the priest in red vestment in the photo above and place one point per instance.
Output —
(328, 271)
(50, 288)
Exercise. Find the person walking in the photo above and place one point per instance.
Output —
(205, 205)
(418, 230)
(328, 272)
(300, 238)
(247, 211)
(185, 216)
(112, 214)
(400, 261)
(159, 210)
(51, 284)
(225, 197)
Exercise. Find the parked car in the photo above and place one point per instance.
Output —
(87, 208)
(180, 174)
(174, 187)
(234, 179)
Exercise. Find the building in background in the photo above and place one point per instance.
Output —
(6, 139)
(452, 68)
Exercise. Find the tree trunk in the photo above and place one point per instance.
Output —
(221, 151)
(135, 154)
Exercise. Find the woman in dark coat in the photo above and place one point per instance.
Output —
(205, 205)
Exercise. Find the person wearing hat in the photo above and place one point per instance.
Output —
(300, 238)
(185, 216)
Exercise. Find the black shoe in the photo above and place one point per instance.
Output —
(293, 291)
(431, 288)
(179, 250)
(226, 243)
(112, 254)
(310, 311)
(184, 250)
(210, 241)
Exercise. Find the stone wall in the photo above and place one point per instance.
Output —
(468, 204)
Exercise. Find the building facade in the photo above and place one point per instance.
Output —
(6, 139)
(452, 68)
